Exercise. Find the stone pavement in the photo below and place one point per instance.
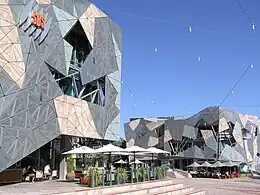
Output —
(236, 186)
(239, 186)
(40, 188)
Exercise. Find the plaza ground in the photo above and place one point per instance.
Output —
(239, 186)
(236, 186)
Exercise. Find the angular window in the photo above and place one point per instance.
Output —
(71, 85)
(81, 47)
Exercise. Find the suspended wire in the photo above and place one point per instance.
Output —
(247, 15)
(244, 11)
(132, 94)
(188, 26)
(238, 81)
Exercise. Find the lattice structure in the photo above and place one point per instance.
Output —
(213, 133)
(60, 72)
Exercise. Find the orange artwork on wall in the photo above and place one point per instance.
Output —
(38, 20)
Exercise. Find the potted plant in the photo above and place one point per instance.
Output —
(141, 174)
(96, 179)
(145, 174)
(70, 168)
(159, 173)
(121, 175)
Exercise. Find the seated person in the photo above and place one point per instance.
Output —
(47, 171)
(31, 173)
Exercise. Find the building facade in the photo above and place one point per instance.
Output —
(213, 133)
(60, 72)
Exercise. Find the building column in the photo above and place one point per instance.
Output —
(181, 164)
(65, 145)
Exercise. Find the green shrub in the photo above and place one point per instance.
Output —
(142, 174)
(121, 174)
(159, 172)
(70, 164)
(97, 177)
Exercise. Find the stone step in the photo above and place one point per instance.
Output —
(150, 190)
(132, 187)
(181, 191)
(198, 192)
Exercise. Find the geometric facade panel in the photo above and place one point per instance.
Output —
(213, 133)
(60, 72)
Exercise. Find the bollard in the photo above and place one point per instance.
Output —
(136, 176)
(124, 178)
(164, 172)
(110, 177)
(117, 177)
(103, 177)
(144, 174)
(148, 173)
(132, 179)
(92, 183)
(154, 173)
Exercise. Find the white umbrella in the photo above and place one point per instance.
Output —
(195, 164)
(154, 150)
(124, 153)
(109, 148)
(229, 164)
(80, 150)
(136, 149)
(120, 162)
(136, 162)
(218, 164)
(206, 164)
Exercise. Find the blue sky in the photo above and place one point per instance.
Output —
(172, 81)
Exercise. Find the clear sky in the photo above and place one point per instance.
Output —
(172, 81)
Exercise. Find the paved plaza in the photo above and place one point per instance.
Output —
(240, 186)
(41, 188)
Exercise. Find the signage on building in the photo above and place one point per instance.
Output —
(34, 21)
(38, 20)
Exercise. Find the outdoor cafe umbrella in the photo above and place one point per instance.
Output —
(109, 149)
(230, 164)
(121, 162)
(154, 150)
(81, 150)
(136, 149)
(218, 164)
(194, 165)
(136, 162)
(206, 164)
